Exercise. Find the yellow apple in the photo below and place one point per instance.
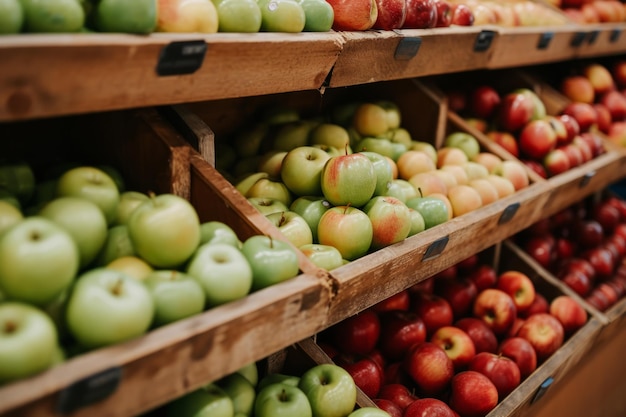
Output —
(187, 16)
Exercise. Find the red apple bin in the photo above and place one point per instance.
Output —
(186, 354)
(507, 256)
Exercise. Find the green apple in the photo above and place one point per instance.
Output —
(208, 401)
(282, 400)
(348, 229)
(51, 16)
(281, 16)
(342, 113)
(132, 266)
(310, 208)
(401, 189)
(267, 188)
(293, 134)
(250, 372)
(302, 170)
(272, 162)
(324, 256)
(332, 151)
(218, 232)
(249, 139)
(425, 147)
(7, 197)
(9, 215)
(18, 179)
(165, 230)
(330, 389)
(115, 175)
(392, 111)
(293, 226)
(433, 210)
(117, 245)
(379, 145)
(319, 15)
(397, 150)
(222, 271)
(28, 341)
(272, 260)
(92, 184)
(241, 16)
(11, 16)
(241, 391)
(279, 114)
(267, 205)
(83, 220)
(278, 378)
(391, 220)
(369, 412)
(383, 170)
(417, 222)
(129, 201)
(107, 307)
(465, 142)
(138, 16)
(348, 179)
(329, 134)
(38, 260)
(401, 135)
(176, 296)
(371, 119)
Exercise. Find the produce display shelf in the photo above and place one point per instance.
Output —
(183, 355)
(55, 75)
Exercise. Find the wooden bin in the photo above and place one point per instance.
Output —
(602, 39)
(138, 375)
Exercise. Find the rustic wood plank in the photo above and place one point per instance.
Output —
(609, 40)
(51, 75)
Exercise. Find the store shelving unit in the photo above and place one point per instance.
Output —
(54, 78)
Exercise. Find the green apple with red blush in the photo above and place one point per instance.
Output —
(272, 261)
(390, 218)
(348, 180)
(339, 222)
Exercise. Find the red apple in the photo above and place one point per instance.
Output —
(483, 101)
(434, 310)
(378, 358)
(515, 111)
(366, 373)
(585, 148)
(352, 15)
(556, 162)
(571, 127)
(429, 407)
(569, 312)
(391, 14)
(578, 88)
(470, 263)
(399, 394)
(618, 70)
(619, 204)
(604, 117)
(536, 166)
(541, 249)
(577, 281)
(544, 332)
(484, 276)
(357, 334)
(396, 374)
(501, 370)
(399, 331)
(514, 327)
(460, 294)
(444, 13)
(521, 352)
(607, 215)
(600, 77)
(537, 138)
(457, 344)
(584, 113)
(472, 394)
(589, 233)
(484, 338)
(506, 140)
(602, 261)
(426, 286)
(399, 301)
(519, 286)
(564, 248)
(389, 406)
(429, 367)
(462, 15)
(496, 308)
(574, 154)
(594, 141)
(420, 14)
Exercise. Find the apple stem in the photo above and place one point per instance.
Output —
(345, 210)
(283, 397)
(35, 235)
(345, 149)
(117, 287)
(282, 219)
(271, 242)
(419, 190)
(10, 327)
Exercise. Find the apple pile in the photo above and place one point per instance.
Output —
(87, 264)
(361, 174)
(598, 98)
(324, 390)
(511, 14)
(517, 121)
(594, 11)
(462, 340)
(584, 246)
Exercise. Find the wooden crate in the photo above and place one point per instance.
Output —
(138, 375)
(602, 39)
(373, 56)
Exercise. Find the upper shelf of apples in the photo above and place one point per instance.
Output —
(517, 121)
(250, 16)
(85, 263)
(462, 340)
(342, 187)
(584, 246)
(599, 92)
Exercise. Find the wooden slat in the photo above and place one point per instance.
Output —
(51, 75)
(603, 39)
